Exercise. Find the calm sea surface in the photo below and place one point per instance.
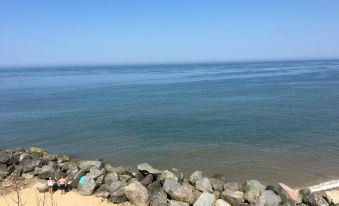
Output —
(272, 121)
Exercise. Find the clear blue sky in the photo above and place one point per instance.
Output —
(104, 32)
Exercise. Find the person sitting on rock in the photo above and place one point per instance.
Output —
(50, 184)
(62, 185)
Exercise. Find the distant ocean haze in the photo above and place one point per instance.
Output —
(273, 121)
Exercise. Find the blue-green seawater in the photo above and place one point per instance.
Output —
(272, 121)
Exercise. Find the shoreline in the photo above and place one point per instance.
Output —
(144, 185)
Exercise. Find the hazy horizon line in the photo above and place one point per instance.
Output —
(165, 63)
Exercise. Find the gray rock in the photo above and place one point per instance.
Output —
(109, 168)
(147, 180)
(132, 180)
(315, 200)
(177, 203)
(305, 191)
(124, 178)
(86, 165)
(139, 176)
(95, 173)
(110, 177)
(45, 172)
(137, 194)
(148, 169)
(216, 194)
(4, 158)
(255, 197)
(205, 199)
(204, 185)
(74, 177)
(68, 166)
(158, 195)
(177, 192)
(195, 176)
(253, 185)
(10, 156)
(232, 186)
(87, 187)
(167, 175)
(272, 199)
(217, 184)
(131, 171)
(102, 192)
(57, 174)
(100, 180)
(233, 197)
(117, 194)
(4, 170)
(50, 157)
(221, 202)
(24, 156)
(30, 164)
(19, 169)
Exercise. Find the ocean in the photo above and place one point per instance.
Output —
(271, 121)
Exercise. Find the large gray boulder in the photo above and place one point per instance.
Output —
(167, 175)
(124, 178)
(30, 164)
(4, 170)
(232, 186)
(253, 185)
(157, 194)
(147, 180)
(46, 171)
(24, 156)
(74, 176)
(195, 176)
(178, 192)
(87, 187)
(315, 200)
(10, 156)
(111, 177)
(233, 197)
(217, 184)
(117, 193)
(148, 169)
(137, 194)
(102, 192)
(86, 165)
(272, 199)
(100, 180)
(68, 166)
(205, 199)
(95, 173)
(204, 185)
(255, 197)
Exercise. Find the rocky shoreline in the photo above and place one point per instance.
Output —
(144, 185)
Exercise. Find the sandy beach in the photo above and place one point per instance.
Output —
(30, 197)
